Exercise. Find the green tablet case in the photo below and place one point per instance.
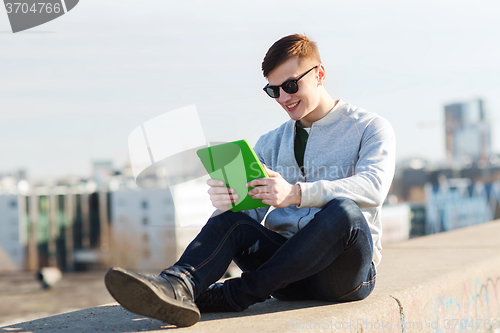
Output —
(236, 164)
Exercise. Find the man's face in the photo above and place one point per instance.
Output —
(301, 104)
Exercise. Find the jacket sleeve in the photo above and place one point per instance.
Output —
(373, 172)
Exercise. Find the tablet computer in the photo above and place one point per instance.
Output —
(236, 164)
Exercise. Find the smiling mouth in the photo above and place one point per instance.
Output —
(291, 106)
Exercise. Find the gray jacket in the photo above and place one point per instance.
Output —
(350, 153)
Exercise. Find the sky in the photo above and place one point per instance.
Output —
(72, 90)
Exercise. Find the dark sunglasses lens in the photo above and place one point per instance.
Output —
(273, 92)
(290, 87)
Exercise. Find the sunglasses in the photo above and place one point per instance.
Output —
(289, 86)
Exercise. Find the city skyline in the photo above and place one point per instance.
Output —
(72, 90)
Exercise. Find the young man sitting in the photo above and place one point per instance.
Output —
(330, 168)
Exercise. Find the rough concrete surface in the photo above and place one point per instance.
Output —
(441, 283)
(22, 297)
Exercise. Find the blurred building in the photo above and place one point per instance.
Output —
(12, 235)
(151, 228)
(468, 140)
(102, 171)
(457, 203)
(93, 224)
(396, 222)
(443, 199)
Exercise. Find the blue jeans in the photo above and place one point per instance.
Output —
(329, 259)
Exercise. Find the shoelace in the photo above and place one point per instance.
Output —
(213, 300)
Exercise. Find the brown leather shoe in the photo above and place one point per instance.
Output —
(165, 298)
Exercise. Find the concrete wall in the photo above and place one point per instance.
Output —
(466, 304)
(447, 282)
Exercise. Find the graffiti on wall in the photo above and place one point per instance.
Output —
(457, 203)
(475, 309)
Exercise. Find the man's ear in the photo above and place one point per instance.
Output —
(321, 74)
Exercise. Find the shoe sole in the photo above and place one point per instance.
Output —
(138, 296)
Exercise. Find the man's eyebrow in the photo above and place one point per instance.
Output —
(288, 79)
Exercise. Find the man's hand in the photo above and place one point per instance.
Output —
(275, 190)
(221, 196)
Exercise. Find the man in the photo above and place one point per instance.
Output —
(330, 168)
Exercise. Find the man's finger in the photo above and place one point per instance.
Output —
(224, 199)
(258, 189)
(215, 182)
(220, 190)
(270, 172)
(258, 182)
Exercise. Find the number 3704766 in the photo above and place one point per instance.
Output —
(39, 7)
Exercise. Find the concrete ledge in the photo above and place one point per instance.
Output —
(448, 282)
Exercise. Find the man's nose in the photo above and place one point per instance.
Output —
(283, 96)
